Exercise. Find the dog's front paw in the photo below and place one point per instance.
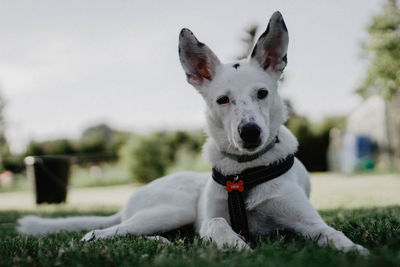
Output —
(221, 233)
(360, 249)
(234, 242)
(343, 243)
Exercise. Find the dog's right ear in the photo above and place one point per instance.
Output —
(270, 51)
(198, 61)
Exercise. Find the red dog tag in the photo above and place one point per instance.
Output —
(230, 186)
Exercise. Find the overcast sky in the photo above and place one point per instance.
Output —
(65, 65)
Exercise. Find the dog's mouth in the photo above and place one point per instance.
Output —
(251, 146)
(247, 147)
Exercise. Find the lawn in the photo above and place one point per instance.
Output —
(378, 229)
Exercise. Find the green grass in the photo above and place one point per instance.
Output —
(378, 229)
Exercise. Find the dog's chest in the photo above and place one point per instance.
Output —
(260, 222)
(259, 213)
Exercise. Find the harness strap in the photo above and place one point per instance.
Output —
(237, 214)
(237, 184)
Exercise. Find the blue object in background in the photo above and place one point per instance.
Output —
(365, 151)
(365, 147)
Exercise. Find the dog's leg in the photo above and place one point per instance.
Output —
(294, 211)
(147, 222)
(215, 226)
(221, 233)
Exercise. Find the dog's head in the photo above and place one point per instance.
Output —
(244, 108)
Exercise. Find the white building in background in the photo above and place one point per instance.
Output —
(365, 143)
(369, 120)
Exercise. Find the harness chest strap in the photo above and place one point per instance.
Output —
(237, 185)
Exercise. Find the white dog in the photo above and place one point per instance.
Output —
(245, 118)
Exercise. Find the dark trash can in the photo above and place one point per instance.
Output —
(50, 175)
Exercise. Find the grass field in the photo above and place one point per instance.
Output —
(377, 228)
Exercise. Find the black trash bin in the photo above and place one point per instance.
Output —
(50, 175)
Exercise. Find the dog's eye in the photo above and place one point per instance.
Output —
(223, 100)
(262, 93)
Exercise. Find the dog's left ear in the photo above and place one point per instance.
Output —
(270, 51)
(198, 61)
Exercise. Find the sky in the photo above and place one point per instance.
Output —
(67, 65)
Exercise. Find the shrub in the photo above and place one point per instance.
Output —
(14, 163)
(149, 157)
(98, 143)
(146, 158)
(54, 147)
(313, 140)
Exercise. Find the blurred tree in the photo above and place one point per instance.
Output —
(149, 157)
(8, 161)
(35, 149)
(383, 50)
(98, 143)
(313, 139)
(102, 130)
(4, 149)
(95, 139)
(383, 74)
(53, 147)
(3, 141)
(192, 141)
(102, 138)
(60, 147)
(146, 157)
(249, 41)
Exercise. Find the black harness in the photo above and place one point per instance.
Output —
(238, 184)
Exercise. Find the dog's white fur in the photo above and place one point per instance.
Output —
(194, 198)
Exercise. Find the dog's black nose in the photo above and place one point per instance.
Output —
(250, 134)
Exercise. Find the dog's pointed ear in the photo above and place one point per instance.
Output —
(270, 51)
(198, 61)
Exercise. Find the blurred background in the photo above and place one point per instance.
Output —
(100, 82)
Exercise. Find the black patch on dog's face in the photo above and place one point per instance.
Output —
(199, 44)
(236, 66)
